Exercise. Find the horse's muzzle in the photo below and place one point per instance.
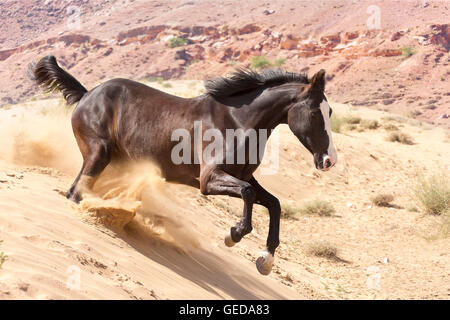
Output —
(324, 162)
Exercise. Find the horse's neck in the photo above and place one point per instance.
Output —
(265, 110)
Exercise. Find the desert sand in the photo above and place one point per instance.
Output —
(138, 237)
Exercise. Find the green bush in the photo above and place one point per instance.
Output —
(407, 52)
(279, 62)
(260, 62)
(177, 42)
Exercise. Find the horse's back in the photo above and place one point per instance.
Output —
(137, 120)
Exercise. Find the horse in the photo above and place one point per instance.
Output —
(124, 119)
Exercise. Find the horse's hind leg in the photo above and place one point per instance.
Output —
(70, 192)
(96, 155)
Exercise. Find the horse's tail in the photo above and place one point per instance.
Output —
(50, 76)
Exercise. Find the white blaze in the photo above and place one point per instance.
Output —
(332, 155)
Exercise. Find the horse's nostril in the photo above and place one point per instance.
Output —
(327, 163)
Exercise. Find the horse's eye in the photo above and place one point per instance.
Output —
(331, 112)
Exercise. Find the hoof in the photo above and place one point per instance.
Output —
(228, 240)
(75, 197)
(264, 263)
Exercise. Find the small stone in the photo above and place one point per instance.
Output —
(268, 11)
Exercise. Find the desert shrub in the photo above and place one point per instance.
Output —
(369, 124)
(193, 61)
(382, 200)
(390, 127)
(260, 62)
(279, 62)
(322, 248)
(352, 120)
(154, 79)
(167, 85)
(289, 211)
(177, 42)
(414, 113)
(433, 194)
(407, 52)
(3, 258)
(401, 137)
(336, 123)
(318, 207)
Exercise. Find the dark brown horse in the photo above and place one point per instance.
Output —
(125, 119)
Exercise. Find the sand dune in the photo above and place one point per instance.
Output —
(173, 247)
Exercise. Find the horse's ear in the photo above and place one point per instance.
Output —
(318, 81)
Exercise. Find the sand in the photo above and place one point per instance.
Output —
(138, 237)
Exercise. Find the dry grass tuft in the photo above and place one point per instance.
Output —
(336, 123)
(400, 137)
(322, 248)
(3, 257)
(383, 200)
(390, 127)
(369, 124)
(318, 208)
(352, 120)
(433, 194)
(289, 212)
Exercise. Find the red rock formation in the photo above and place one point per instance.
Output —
(289, 43)
(386, 53)
(441, 35)
(249, 28)
(351, 35)
(151, 32)
(330, 41)
(397, 35)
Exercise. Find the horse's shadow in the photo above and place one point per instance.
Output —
(202, 267)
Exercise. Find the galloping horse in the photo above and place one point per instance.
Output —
(124, 119)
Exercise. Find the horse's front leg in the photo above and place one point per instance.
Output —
(265, 262)
(217, 182)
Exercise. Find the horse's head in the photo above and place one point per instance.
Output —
(309, 120)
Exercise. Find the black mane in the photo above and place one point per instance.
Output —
(246, 79)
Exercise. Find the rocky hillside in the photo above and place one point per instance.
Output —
(392, 56)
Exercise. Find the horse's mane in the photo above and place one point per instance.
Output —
(242, 80)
